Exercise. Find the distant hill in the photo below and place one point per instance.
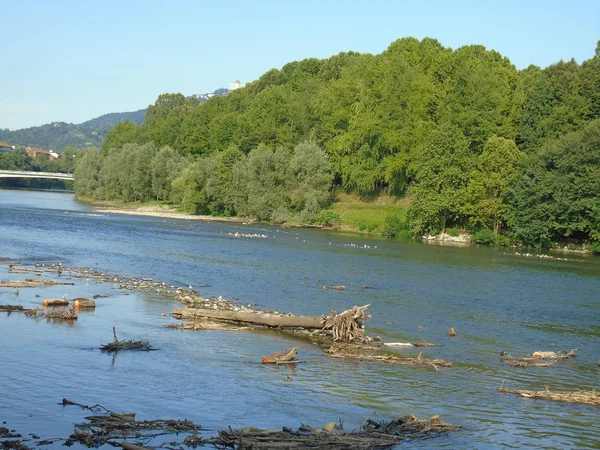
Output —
(91, 133)
(111, 119)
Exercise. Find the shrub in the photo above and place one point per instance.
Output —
(326, 218)
(452, 231)
(395, 224)
(483, 236)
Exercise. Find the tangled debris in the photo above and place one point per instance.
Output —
(590, 397)
(54, 314)
(127, 344)
(371, 435)
(113, 427)
(347, 326)
(537, 359)
(370, 353)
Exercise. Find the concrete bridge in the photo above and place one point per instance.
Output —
(25, 174)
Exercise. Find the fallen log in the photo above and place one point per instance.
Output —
(11, 308)
(254, 317)
(55, 302)
(83, 303)
(590, 397)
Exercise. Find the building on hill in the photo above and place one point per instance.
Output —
(6, 148)
(235, 85)
(34, 152)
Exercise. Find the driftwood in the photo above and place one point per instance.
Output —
(127, 344)
(249, 316)
(590, 397)
(537, 359)
(347, 326)
(371, 435)
(335, 288)
(55, 302)
(83, 303)
(55, 314)
(115, 428)
(363, 353)
(288, 356)
(11, 308)
(32, 282)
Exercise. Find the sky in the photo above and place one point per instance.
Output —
(72, 61)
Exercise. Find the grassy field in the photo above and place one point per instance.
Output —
(357, 215)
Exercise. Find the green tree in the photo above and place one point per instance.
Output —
(123, 133)
(557, 194)
(496, 170)
(441, 172)
(166, 165)
(87, 173)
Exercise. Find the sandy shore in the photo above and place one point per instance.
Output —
(167, 213)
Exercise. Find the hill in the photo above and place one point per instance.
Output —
(91, 133)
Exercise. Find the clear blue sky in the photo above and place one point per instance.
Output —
(75, 60)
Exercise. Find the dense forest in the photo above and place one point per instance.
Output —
(468, 139)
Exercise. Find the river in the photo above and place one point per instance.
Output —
(496, 300)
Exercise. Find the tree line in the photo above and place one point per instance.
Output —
(471, 140)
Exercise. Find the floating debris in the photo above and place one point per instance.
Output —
(55, 314)
(11, 308)
(335, 288)
(372, 435)
(590, 397)
(537, 359)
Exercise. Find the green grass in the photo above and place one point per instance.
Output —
(365, 217)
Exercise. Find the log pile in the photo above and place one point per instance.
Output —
(590, 397)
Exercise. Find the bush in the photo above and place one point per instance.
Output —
(452, 231)
(326, 218)
(483, 236)
(395, 224)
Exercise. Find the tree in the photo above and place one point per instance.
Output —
(87, 173)
(166, 166)
(496, 170)
(557, 193)
(441, 172)
(310, 180)
(123, 133)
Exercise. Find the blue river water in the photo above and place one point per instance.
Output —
(497, 300)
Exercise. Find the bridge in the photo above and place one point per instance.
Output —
(25, 174)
